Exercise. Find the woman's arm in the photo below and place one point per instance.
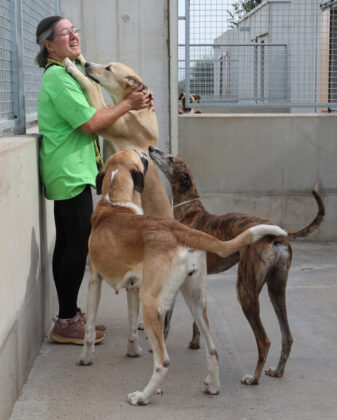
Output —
(104, 117)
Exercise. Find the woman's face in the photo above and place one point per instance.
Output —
(66, 42)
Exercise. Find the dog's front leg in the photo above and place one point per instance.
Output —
(90, 90)
(134, 349)
(94, 295)
(80, 61)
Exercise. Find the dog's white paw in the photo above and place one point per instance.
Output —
(249, 380)
(83, 361)
(136, 398)
(211, 387)
(80, 60)
(134, 350)
(67, 63)
(141, 326)
(70, 67)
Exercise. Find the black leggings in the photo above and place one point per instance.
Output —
(72, 221)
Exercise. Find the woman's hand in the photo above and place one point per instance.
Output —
(139, 100)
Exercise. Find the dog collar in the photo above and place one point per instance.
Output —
(185, 202)
(137, 209)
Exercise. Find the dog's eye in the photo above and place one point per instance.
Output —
(171, 158)
(108, 68)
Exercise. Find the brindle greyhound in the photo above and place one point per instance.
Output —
(266, 261)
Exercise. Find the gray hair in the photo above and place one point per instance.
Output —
(44, 31)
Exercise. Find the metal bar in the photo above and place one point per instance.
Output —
(233, 45)
(255, 105)
(255, 71)
(17, 68)
(287, 75)
(262, 70)
(187, 53)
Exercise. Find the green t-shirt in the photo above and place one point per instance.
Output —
(67, 154)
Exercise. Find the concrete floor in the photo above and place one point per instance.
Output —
(59, 389)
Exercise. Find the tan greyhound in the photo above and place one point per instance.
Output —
(134, 130)
(153, 258)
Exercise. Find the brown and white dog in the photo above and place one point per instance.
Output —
(266, 261)
(182, 104)
(154, 258)
(134, 130)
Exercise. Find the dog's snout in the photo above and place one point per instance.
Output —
(86, 65)
(151, 149)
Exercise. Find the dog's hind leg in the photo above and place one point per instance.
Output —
(249, 284)
(94, 295)
(167, 322)
(154, 325)
(194, 292)
(195, 342)
(134, 349)
(277, 283)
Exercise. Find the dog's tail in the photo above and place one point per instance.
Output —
(315, 223)
(200, 240)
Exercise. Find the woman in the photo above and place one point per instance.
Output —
(68, 165)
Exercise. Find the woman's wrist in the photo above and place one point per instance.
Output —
(127, 104)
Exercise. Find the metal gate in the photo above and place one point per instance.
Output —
(258, 53)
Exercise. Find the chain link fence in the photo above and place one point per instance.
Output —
(19, 75)
(259, 53)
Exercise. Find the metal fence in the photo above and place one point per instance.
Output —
(258, 53)
(19, 75)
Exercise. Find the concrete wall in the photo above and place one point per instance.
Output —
(264, 165)
(27, 300)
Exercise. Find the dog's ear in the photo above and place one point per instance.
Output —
(99, 181)
(138, 180)
(181, 96)
(197, 97)
(185, 182)
(134, 83)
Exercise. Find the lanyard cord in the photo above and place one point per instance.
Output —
(52, 61)
(99, 160)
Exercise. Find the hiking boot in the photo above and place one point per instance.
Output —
(72, 331)
(98, 327)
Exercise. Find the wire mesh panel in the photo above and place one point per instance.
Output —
(19, 75)
(32, 12)
(6, 107)
(259, 53)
